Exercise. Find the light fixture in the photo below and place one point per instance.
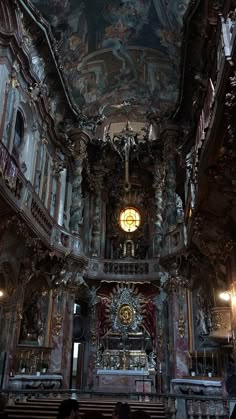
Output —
(129, 219)
(1, 293)
(225, 295)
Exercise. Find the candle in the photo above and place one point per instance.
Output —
(204, 353)
(212, 355)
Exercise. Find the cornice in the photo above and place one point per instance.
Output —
(44, 26)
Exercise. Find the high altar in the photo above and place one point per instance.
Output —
(126, 370)
(126, 359)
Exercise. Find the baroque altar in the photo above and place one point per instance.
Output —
(35, 382)
(125, 380)
(126, 346)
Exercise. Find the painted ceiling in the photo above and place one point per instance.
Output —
(118, 52)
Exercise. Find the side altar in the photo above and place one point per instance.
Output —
(36, 382)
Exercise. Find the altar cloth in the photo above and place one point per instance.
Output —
(122, 372)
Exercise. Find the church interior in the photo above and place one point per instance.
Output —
(118, 198)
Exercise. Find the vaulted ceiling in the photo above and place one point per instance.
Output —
(119, 52)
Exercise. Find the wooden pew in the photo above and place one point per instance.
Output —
(45, 408)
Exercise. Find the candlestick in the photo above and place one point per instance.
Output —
(204, 361)
(190, 361)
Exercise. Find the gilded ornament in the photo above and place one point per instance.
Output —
(181, 325)
(14, 82)
(57, 324)
(125, 314)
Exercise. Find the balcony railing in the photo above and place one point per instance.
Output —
(209, 116)
(175, 406)
(124, 269)
(19, 193)
(203, 125)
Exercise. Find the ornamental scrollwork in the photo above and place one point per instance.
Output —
(126, 311)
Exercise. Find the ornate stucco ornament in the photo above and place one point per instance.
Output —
(125, 312)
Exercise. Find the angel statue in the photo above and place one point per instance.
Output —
(152, 360)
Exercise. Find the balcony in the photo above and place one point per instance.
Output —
(20, 196)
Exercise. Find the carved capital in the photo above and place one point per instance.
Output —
(80, 141)
(176, 282)
(170, 135)
(158, 172)
(59, 165)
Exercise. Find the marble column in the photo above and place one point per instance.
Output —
(60, 218)
(161, 384)
(178, 349)
(77, 205)
(158, 184)
(68, 337)
(169, 136)
(95, 245)
(10, 328)
(62, 334)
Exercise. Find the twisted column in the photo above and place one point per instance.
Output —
(95, 244)
(158, 184)
(170, 142)
(77, 204)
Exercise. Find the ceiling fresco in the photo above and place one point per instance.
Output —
(119, 51)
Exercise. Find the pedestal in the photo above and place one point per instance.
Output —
(197, 386)
(34, 382)
(202, 386)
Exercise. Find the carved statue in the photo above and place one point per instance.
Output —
(32, 322)
(93, 300)
(152, 360)
(79, 280)
(142, 248)
(115, 247)
(179, 209)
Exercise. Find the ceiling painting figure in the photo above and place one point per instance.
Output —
(115, 51)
